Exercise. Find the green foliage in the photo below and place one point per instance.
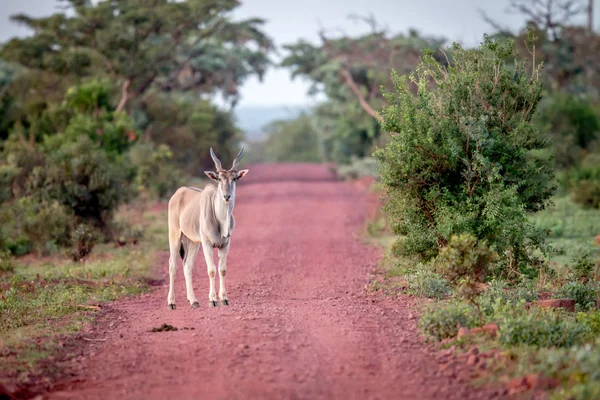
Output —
(441, 322)
(426, 283)
(591, 319)
(575, 367)
(539, 328)
(467, 264)
(81, 177)
(190, 127)
(465, 157)
(499, 292)
(344, 127)
(571, 231)
(83, 240)
(584, 294)
(154, 172)
(358, 168)
(191, 45)
(6, 262)
(465, 261)
(583, 267)
(45, 223)
(292, 140)
(574, 124)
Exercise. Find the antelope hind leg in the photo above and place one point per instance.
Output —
(223, 251)
(207, 249)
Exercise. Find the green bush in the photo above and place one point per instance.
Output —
(542, 330)
(358, 168)
(584, 294)
(465, 156)
(46, 223)
(83, 240)
(591, 319)
(587, 193)
(6, 261)
(467, 263)
(442, 320)
(292, 140)
(574, 124)
(426, 283)
(153, 169)
(499, 292)
(576, 367)
(83, 178)
(582, 266)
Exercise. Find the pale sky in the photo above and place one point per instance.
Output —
(288, 21)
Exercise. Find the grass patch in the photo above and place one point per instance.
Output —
(554, 342)
(571, 228)
(45, 299)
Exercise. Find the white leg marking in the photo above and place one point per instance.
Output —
(222, 272)
(174, 243)
(207, 249)
(188, 268)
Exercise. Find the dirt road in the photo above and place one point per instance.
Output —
(300, 325)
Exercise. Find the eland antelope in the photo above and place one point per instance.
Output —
(203, 217)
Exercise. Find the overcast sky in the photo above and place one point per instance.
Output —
(288, 21)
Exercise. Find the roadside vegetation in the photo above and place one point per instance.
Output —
(47, 300)
(104, 111)
(487, 223)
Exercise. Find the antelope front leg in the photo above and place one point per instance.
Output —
(188, 268)
(174, 243)
(212, 271)
(222, 270)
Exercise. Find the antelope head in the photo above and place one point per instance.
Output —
(226, 179)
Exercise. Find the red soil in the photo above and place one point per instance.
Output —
(300, 325)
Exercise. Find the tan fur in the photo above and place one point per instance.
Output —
(203, 218)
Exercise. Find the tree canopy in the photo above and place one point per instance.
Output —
(191, 46)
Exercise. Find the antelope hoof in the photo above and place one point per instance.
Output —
(195, 304)
(212, 303)
(172, 306)
(225, 302)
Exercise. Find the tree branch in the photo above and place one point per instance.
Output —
(124, 96)
(361, 99)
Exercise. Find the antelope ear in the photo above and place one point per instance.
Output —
(212, 175)
(242, 173)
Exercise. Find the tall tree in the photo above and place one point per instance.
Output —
(350, 72)
(189, 46)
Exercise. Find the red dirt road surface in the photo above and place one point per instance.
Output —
(300, 324)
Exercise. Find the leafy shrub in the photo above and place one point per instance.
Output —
(540, 328)
(466, 263)
(587, 193)
(6, 261)
(83, 240)
(465, 156)
(576, 367)
(358, 168)
(46, 223)
(583, 267)
(574, 124)
(584, 294)
(153, 171)
(441, 321)
(584, 181)
(292, 140)
(81, 177)
(591, 319)
(426, 283)
(124, 233)
(499, 293)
